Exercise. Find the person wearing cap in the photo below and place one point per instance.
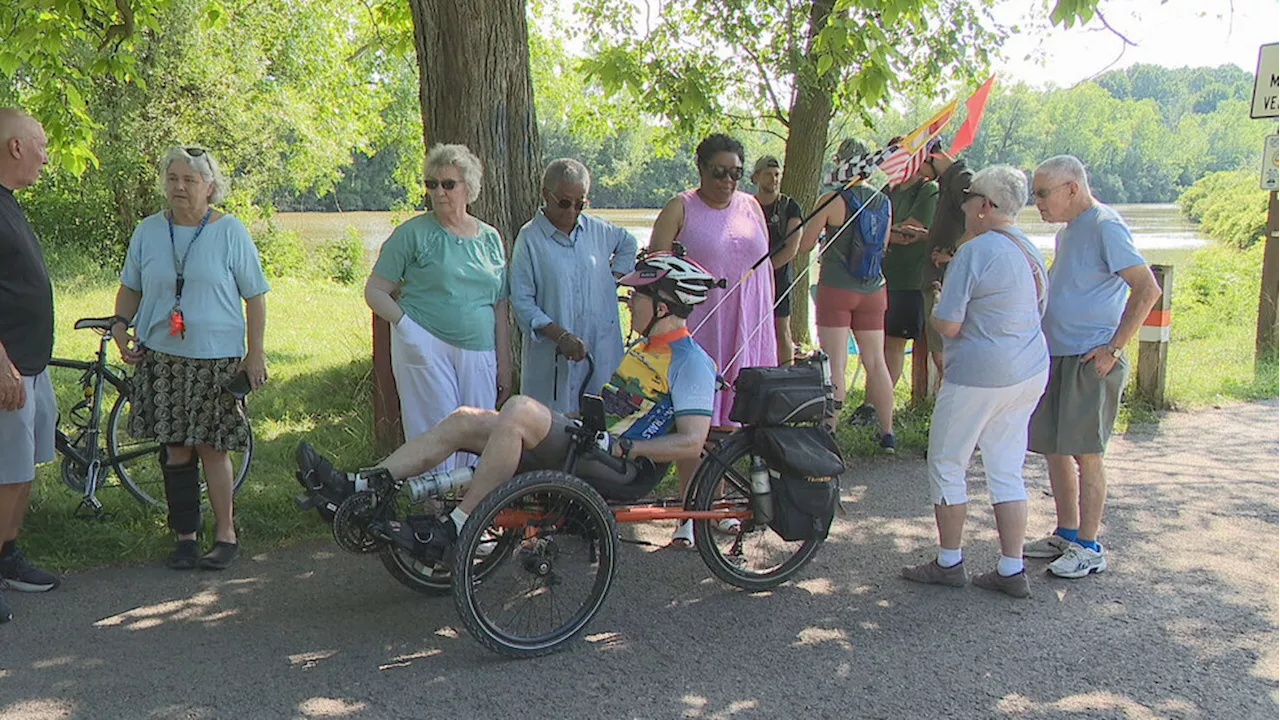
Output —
(658, 406)
(564, 271)
(782, 215)
(847, 303)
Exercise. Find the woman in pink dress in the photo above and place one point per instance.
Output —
(724, 231)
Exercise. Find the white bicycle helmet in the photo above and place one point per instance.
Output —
(673, 276)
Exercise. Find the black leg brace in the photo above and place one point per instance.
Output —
(182, 491)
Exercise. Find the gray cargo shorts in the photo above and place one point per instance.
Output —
(1078, 409)
(26, 434)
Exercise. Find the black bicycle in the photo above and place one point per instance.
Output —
(90, 447)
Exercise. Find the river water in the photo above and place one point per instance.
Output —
(1155, 227)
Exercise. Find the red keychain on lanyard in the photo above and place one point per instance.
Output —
(177, 323)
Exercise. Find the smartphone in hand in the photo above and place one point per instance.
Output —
(239, 385)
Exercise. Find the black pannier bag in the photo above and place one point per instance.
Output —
(799, 393)
(805, 466)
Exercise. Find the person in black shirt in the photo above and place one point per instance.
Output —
(782, 215)
(28, 412)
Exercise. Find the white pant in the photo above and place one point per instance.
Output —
(994, 420)
(434, 378)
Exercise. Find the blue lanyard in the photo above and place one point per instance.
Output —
(173, 244)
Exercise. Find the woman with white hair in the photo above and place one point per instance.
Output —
(996, 363)
(564, 271)
(193, 288)
(441, 281)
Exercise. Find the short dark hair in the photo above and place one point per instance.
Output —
(715, 144)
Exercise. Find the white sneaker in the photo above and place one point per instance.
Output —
(1046, 548)
(1079, 561)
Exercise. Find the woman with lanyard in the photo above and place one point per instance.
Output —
(187, 271)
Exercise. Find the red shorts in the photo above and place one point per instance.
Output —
(845, 308)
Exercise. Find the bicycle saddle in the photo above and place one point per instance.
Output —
(96, 323)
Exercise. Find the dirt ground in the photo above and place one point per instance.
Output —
(1183, 625)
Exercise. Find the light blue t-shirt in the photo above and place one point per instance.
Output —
(1086, 296)
(991, 291)
(221, 271)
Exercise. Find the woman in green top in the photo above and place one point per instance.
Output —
(449, 342)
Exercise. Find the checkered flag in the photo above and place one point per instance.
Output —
(860, 166)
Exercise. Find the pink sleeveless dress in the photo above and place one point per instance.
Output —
(726, 242)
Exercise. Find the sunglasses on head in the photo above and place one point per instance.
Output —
(194, 151)
(447, 184)
(720, 173)
(968, 193)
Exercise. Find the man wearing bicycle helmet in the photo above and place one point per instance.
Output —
(658, 406)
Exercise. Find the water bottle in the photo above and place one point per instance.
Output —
(761, 493)
(438, 485)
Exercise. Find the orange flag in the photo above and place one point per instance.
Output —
(969, 129)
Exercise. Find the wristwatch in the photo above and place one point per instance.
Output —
(626, 444)
(1115, 351)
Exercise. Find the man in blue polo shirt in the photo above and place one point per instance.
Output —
(1088, 323)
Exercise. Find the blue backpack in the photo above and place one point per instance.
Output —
(866, 252)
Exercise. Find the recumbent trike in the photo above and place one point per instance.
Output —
(535, 560)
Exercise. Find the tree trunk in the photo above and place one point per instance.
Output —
(810, 115)
(475, 89)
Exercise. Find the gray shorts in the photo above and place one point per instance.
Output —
(1078, 409)
(554, 448)
(26, 434)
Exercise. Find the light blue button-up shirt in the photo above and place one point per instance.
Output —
(568, 279)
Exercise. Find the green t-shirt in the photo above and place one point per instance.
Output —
(448, 283)
(904, 264)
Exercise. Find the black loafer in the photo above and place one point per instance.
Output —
(220, 556)
(185, 554)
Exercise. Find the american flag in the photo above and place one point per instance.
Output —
(907, 158)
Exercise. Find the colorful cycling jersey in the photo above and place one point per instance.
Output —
(657, 382)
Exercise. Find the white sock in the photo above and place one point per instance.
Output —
(1009, 565)
(459, 518)
(358, 481)
(950, 558)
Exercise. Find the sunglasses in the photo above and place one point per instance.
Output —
(194, 152)
(971, 194)
(1043, 193)
(447, 184)
(720, 173)
(565, 203)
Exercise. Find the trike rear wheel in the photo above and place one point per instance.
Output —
(756, 558)
(531, 596)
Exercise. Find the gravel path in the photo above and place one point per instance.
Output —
(1184, 625)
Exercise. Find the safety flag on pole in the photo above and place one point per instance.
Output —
(914, 148)
(969, 128)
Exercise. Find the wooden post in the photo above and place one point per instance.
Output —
(1265, 339)
(1153, 341)
(387, 431)
(920, 366)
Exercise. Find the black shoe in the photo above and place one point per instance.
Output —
(5, 614)
(316, 473)
(864, 416)
(887, 444)
(17, 573)
(185, 554)
(428, 537)
(220, 556)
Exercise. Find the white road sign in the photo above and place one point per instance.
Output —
(1266, 84)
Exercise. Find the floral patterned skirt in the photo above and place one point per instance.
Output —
(181, 401)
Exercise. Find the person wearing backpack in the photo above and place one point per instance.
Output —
(851, 287)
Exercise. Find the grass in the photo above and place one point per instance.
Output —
(319, 348)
